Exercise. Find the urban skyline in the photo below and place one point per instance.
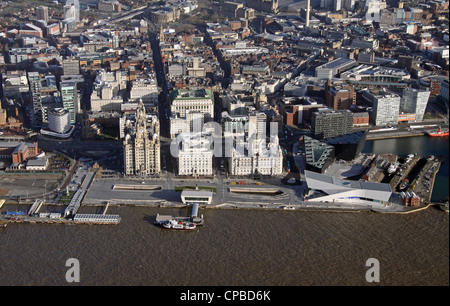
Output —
(260, 104)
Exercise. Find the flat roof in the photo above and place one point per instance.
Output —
(183, 94)
(337, 63)
(196, 193)
(37, 162)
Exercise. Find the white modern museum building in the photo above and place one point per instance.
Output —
(328, 189)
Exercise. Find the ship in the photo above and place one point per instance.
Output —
(179, 225)
(439, 133)
(393, 167)
(404, 184)
(3, 224)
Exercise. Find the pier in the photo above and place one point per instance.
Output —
(410, 130)
(78, 197)
(106, 208)
(162, 219)
(423, 183)
(78, 219)
(96, 219)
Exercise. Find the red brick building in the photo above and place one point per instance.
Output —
(339, 96)
(18, 151)
(361, 119)
(435, 85)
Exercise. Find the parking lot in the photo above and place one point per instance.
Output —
(28, 184)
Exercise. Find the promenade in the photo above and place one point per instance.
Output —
(274, 195)
(406, 130)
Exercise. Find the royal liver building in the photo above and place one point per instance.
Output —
(142, 144)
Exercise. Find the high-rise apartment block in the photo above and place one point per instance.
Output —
(72, 11)
(34, 81)
(59, 120)
(386, 107)
(42, 13)
(414, 101)
(443, 96)
(70, 99)
(329, 123)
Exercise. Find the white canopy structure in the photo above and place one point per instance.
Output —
(332, 190)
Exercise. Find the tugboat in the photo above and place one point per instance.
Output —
(404, 184)
(439, 133)
(179, 225)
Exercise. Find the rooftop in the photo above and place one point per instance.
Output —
(37, 162)
(340, 62)
(196, 193)
(325, 182)
(183, 94)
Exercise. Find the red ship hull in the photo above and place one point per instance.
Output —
(438, 134)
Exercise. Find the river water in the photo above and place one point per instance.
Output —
(240, 247)
(235, 247)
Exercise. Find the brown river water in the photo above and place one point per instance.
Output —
(234, 248)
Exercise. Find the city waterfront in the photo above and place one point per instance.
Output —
(423, 146)
(242, 246)
(117, 113)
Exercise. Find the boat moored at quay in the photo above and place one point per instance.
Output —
(179, 225)
(438, 133)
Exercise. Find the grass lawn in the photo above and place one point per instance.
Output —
(67, 198)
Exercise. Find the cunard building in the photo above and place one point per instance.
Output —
(142, 144)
